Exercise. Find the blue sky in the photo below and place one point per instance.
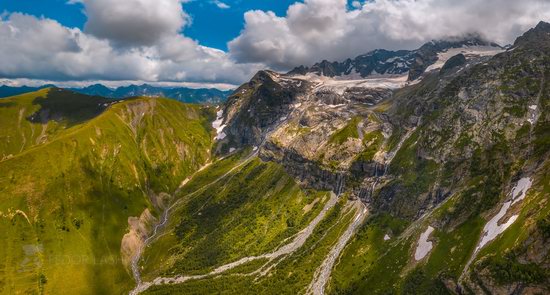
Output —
(211, 26)
(214, 27)
(68, 15)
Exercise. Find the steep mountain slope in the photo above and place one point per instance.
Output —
(69, 204)
(451, 166)
(254, 219)
(35, 118)
(479, 157)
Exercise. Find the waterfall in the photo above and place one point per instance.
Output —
(363, 193)
(373, 187)
(381, 169)
(379, 172)
(338, 189)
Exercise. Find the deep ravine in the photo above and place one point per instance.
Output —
(166, 215)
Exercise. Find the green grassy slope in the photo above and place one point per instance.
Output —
(375, 266)
(65, 203)
(290, 275)
(249, 212)
(38, 117)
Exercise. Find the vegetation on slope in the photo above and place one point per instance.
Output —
(290, 274)
(38, 117)
(249, 212)
(65, 203)
(481, 130)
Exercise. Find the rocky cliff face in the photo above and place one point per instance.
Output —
(407, 131)
(316, 128)
(258, 106)
(333, 119)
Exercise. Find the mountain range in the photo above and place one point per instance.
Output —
(189, 95)
(420, 171)
(412, 62)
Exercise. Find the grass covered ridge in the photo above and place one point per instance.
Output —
(65, 203)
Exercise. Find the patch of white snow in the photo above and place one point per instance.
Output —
(492, 229)
(386, 237)
(424, 246)
(340, 84)
(520, 190)
(220, 135)
(217, 124)
(468, 51)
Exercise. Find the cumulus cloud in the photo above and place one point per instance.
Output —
(34, 48)
(134, 22)
(40, 48)
(329, 29)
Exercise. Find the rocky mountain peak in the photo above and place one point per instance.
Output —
(381, 62)
(542, 25)
(468, 40)
(433, 54)
(539, 36)
(258, 78)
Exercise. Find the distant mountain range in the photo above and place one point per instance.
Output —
(183, 94)
(401, 62)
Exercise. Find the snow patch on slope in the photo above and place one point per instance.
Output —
(533, 114)
(521, 188)
(492, 229)
(217, 124)
(468, 51)
(424, 246)
(340, 84)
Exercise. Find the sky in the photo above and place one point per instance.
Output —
(214, 23)
(222, 43)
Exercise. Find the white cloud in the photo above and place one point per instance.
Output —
(39, 48)
(328, 29)
(221, 4)
(134, 22)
